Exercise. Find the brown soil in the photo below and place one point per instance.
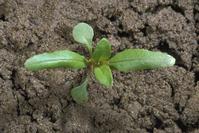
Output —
(159, 101)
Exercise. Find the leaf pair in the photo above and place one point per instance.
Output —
(101, 56)
(83, 33)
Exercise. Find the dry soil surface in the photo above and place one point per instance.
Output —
(152, 101)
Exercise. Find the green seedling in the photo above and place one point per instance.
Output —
(100, 62)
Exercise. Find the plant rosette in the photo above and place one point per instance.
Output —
(100, 63)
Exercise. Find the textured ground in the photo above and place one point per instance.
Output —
(159, 101)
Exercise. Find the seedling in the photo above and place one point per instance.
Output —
(100, 61)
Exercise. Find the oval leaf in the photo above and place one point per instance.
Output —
(83, 33)
(104, 75)
(102, 51)
(139, 59)
(64, 58)
(80, 94)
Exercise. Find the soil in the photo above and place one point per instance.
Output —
(152, 101)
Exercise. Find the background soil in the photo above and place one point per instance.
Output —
(159, 101)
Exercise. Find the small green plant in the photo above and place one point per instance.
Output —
(100, 62)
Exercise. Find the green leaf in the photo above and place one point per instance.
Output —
(139, 59)
(64, 58)
(80, 94)
(83, 33)
(102, 51)
(104, 75)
